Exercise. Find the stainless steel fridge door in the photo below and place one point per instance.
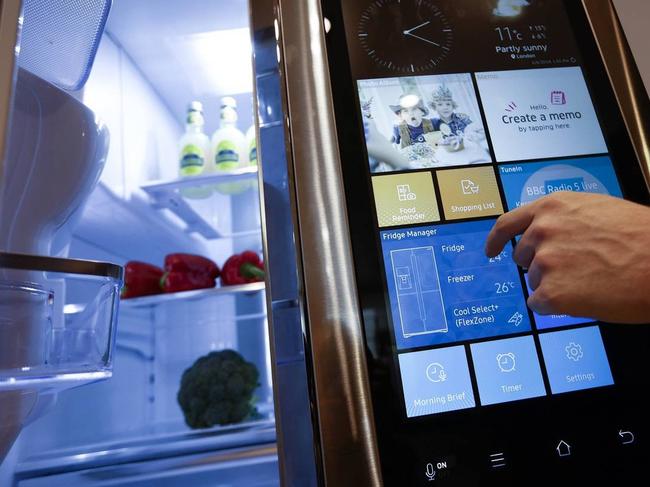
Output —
(329, 437)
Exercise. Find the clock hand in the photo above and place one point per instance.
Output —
(423, 39)
(408, 31)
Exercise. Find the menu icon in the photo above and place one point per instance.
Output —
(497, 460)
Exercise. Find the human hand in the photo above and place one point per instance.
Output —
(587, 255)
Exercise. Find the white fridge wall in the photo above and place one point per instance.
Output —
(144, 133)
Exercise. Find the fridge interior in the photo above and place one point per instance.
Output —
(153, 59)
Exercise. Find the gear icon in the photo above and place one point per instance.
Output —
(574, 351)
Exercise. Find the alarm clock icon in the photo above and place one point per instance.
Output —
(506, 362)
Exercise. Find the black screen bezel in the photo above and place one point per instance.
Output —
(407, 445)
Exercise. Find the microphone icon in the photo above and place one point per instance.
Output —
(430, 473)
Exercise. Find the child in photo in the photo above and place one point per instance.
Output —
(410, 132)
(412, 125)
(455, 127)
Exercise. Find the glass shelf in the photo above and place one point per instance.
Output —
(151, 301)
(169, 195)
(151, 445)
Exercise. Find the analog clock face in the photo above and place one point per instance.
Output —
(406, 36)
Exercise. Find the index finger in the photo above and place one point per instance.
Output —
(507, 227)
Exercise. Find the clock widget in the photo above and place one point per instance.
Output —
(405, 36)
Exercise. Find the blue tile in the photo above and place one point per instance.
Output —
(435, 381)
(443, 288)
(525, 183)
(507, 370)
(576, 359)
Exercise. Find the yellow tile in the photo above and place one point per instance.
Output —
(405, 199)
(469, 193)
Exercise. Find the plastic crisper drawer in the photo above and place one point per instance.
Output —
(59, 40)
(57, 321)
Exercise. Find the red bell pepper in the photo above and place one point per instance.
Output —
(185, 272)
(192, 264)
(177, 281)
(242, 269)
(141, 279)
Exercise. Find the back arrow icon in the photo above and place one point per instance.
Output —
(626, 436)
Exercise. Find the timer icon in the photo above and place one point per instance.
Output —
(506, 362)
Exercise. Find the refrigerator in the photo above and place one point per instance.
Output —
(383, 356)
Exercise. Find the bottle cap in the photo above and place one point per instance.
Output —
(195, 106)
(228, 101)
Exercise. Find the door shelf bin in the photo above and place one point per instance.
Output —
(57, 321)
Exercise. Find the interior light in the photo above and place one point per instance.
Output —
(224, 58)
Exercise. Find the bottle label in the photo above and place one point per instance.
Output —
(194, 118)
(229, 115)
(227, 154)
(192, 159)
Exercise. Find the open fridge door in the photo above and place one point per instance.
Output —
(106, 115)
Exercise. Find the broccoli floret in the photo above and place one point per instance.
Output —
(218, 389)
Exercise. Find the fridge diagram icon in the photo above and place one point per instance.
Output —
(419, 299)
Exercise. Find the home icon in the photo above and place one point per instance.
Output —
(563, 449)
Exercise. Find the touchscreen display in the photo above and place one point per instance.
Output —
(466, 109)
(491, 118)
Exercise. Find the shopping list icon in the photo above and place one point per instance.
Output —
(469, 187)
(558, 98)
